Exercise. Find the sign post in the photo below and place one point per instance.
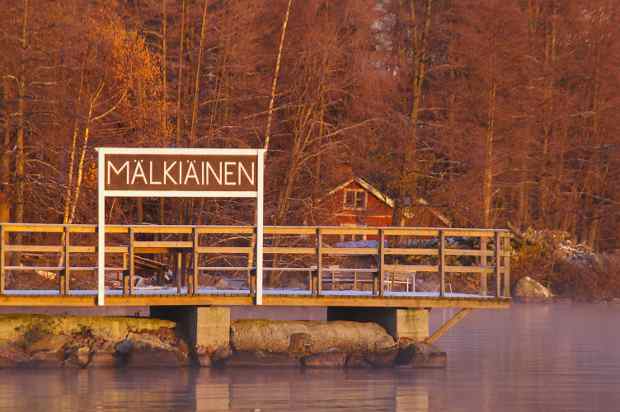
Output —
(192, 172)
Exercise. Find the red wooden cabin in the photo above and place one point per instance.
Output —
(357, 203)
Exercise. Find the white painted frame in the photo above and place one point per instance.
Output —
(102, 194)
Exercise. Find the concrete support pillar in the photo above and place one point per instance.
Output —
(206, 329)
(400, 323)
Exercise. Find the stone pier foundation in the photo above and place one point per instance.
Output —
(205, 328)
(411, 324)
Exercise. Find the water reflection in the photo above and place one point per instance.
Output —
(560, 358)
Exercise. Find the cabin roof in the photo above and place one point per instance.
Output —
(386, 199)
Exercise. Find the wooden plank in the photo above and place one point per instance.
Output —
(411, 251)
(225, 229)
(410, 231)
(349, 251)
(443, 329)
(468, 269)
(34, 268)
(467, 252)
(386, 302)
(230, 250)
(168, 244)
(179, 274)
(506, 268)
(193, 287)
(289, 250)
(498, 265)
(381, 263)
(34, 248)
(32, 228)
(411, 268)
(316, 285)
(65, 274)
(131, 263)
(442, 263)
(116, 249)
(483, 263)
(163, 229)
(82, 249)
(349, 231)
(289, 230)
(2, 261)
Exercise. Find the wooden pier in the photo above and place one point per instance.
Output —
(384, 270)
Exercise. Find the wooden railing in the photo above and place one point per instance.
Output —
(392, 249)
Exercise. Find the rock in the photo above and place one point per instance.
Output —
(357, 360)
(149, 350)
(78, 357)
(261, 359)
(382, 359)
(124, 347)
(527, 289)
(46, 343)
(105, 360)
(421, 355)
(11, 356)
(275, 336)
(325, 360)
(300, 344)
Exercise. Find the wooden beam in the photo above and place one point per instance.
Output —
(246, 300)
(483, 264)
(506, 268)
(192, 287)
(2, 262)
(442, 263)
(381, 262)
(316, 285)
(448, 325)
(65, 274)
(498, 264)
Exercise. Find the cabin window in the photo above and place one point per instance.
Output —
(355, 199)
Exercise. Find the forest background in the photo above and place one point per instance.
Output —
(500, 113)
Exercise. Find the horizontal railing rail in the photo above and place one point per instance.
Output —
(389, 251)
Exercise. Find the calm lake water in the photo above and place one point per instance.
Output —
(531, 358)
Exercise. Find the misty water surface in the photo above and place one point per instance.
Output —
(531, 358)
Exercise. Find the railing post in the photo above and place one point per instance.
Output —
(64, 275)
(251, 269)
(498, 264)
(179, 272)
(130, 272)
(381, 263)
(506, 252)
(316, 285)
(483, 263)
(2, 264)
(192, 287)
(442, 263)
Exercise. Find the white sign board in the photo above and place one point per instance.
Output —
(195, 172)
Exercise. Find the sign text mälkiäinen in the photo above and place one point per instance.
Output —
(182, 172)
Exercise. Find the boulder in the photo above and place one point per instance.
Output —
(260, 359)
(528, 289)
(11, 356)
(275, 336)
(300, 344)
(421, 355)
(382, 359)
(78, 357)
(325, 360)
(151, 350)
(357, 360)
